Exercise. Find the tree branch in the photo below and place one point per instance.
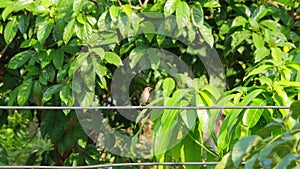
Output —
(143, 5)
(3, 50)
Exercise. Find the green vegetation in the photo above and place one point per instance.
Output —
(77, 53)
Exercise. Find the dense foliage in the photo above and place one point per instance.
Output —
(70, 52)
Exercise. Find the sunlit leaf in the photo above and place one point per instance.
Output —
(24, 92)
(168, 86)
(258, 40)
(44, 30)
(68, 31)
(252, 116)
(20, 59)
(114, 12)
(113, 58)
(170, 7)
(10, 30)
(182, 14)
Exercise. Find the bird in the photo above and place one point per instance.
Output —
(145, 121)
(145, 96)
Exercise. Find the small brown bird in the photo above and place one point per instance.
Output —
(145, 96)
(145, 122)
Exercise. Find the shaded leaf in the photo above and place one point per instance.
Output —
(50, 91)
(295, 109)
(58, 58)
(287, 160)
(242, 147)
(252, 116)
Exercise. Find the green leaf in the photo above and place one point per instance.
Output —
(127, 9)
(225, 162)
(47, 74)
(265, 152)
(81, 19)
(207, 35)
(124, 26)
(135, 56)
(252, 116)
(250, 163)
(276, 54)
(269, 129)
(239, 21)
(58, 58)
(170, 117)
(258, 40)
(68, 31)
(3, 155)
(48, 119)
(168, 86)
(57, 131)
(33, 70)
(190, 145)
(91, 20)
(170, 7)
(197, 15)
(289, 3)
(113, 58)
(28, 43)
(295, 109)
(162, 138)
(287, 160)
(188, 116)
(77, 5)
(259, 70)
(44, 30)
(114, 12)
(65, 95)
(261, 53)
(13, 96)
(232, 118)
(254, 24)
(20, 59)
(182, 14)
(37, 93)
(148, 29)
(24, 92)
(10, 30)
(50, 91)
(238, 37)
(259, 12)
(242, 147)
(32, 159)
(92, 151)
(23, 23)
(8, 10)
